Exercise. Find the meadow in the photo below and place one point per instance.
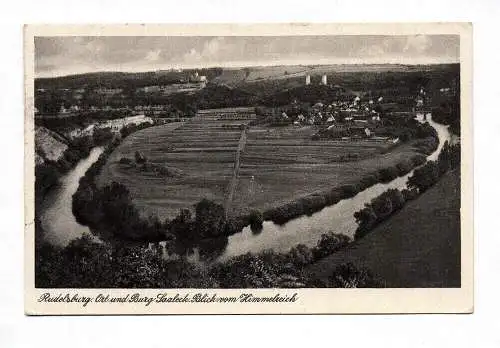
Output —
(277, 165)
(419, 246)
(281, 164)
(203, 152)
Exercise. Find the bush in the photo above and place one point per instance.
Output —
(366, 220)
(409, 194)
(330, 243)
(210, 219)
(427, 145)
(418, 160)
(404, 167)
(388, 174)
(424, 177)
(102, 136)
(256, 219)
(368, 180)
(347, 275)
(379, 209)
(349, 191)
(301, 255)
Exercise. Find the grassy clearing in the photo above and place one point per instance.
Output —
(417, 247)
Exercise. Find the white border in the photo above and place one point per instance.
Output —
(310, 300)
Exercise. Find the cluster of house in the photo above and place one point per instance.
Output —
(195, 82)
(356, 113)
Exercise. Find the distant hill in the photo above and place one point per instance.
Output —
(273, 85)
(123, 79)
(229, 76)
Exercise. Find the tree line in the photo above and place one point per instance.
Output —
(389, 202)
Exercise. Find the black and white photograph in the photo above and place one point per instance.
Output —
(291, 162)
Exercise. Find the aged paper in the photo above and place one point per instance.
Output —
(248, 169)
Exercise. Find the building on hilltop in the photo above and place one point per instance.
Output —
(324, 80)
(108, 91)
(198, 78)
(308, 79)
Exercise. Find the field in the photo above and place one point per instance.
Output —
(203, 151)
(280, 164)
(277, 164)
(418, 247)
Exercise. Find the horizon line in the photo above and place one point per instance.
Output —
(240, 67)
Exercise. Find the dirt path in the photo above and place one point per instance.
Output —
(236, 170)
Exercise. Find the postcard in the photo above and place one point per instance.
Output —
(248, 169)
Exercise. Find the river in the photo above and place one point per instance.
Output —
(57, 219)
(338, 218)
(61, 227)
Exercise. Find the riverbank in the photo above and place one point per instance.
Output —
(56, 215)
(89, 210)
(307, 229)
(419, 246)
(55, 221)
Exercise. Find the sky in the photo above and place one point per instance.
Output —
(58, 56)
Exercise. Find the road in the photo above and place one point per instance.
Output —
(236, 170)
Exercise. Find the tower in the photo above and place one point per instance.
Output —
(308, 80)
(323, 80)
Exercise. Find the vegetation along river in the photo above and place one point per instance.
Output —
(61, 227)
(338, 218)
(57, 219)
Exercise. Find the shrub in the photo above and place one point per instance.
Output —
(300, 255)
(418, 160)
(210, 219)
(404, 167)
(256, 219)
(388, 174)
(366, 220)
(367, 181)
(349, 190)
(424, 177)
(379, 209)
(347, 275)
(427, 145)
(409, 194)
(333, 196)
(102, 136)
(330, 243)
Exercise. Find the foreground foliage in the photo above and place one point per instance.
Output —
(87, 263)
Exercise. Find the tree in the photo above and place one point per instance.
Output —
(329, 243)
(424, 177)
(102, 136)
(300, 255)
(366, 220)
(210, 218)
(256, 219)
